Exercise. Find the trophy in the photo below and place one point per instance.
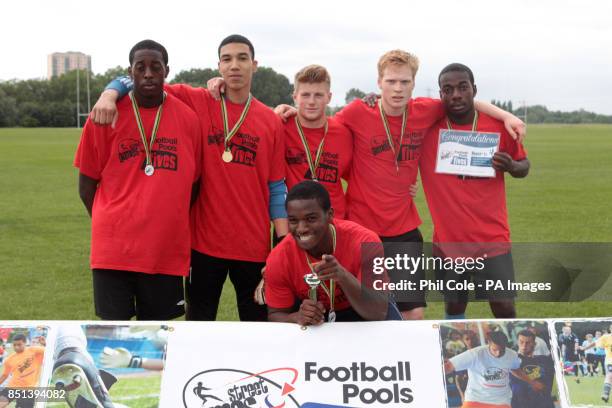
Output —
(313, 282)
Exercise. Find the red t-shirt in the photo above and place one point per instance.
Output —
(141, 223)
(287, 265)
(378, 197)
(335, 161)
(470, 210)
(231, 218)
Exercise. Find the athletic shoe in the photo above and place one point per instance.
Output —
(85, 385)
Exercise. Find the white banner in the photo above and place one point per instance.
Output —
(275, 365)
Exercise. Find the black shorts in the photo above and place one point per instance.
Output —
(591, 358)
(205, 285)
(406, 300)
(571, 356)
(19, 402)
(496, 269)
(120, 295)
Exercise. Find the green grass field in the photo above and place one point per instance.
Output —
(587, 393)
(44, 229)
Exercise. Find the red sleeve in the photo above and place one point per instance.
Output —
(515, 149)
(277, 165)
(198, 148)
(428, 109)
(369, 247)
(91, 155)
(279, 294)
(345, 134)
(198, 100)
(186, 93)
(347, 115)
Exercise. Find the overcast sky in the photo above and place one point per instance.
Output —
(552, 52)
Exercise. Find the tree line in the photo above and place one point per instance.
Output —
(52, 103)
(541, 114)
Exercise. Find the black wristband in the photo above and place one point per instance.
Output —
(135, 362)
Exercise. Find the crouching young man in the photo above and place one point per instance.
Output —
(314, 275)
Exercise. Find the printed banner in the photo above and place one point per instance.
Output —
(274, 365)
(466, 153)
(508, 363)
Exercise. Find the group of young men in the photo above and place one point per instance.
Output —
(185, 182)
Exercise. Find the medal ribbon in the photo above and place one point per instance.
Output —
(143, 136)
(312, 165)
(229, 134)
(474, 123)
(388, 130)
(331, 291)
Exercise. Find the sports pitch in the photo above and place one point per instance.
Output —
(586, 393)
(44, 228)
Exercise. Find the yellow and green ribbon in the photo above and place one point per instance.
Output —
(229, 134)
(147, 146)
(313, 165)
(388, 130)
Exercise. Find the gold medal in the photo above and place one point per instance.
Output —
(227, 156)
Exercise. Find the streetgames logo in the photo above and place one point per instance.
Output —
(228, 388)
(494, 374)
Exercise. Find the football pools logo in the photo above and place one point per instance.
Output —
(230, 388)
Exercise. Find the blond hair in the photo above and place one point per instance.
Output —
(398, 57)
(312, 74)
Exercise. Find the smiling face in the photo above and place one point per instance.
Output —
(309, 224)
(396, 85)
(236, 66)
(148, 71)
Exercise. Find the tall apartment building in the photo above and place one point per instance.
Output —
(59, 63)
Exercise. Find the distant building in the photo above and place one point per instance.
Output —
(60, 63)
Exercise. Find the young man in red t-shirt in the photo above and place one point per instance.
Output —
(136, 180)
(329, 249)
(242, 184)
(469, 213)
(317, 147)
